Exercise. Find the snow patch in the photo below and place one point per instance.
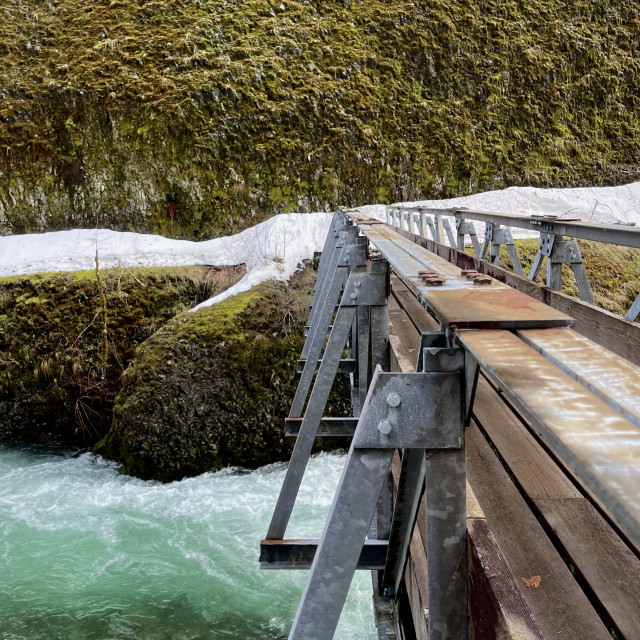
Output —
(274, 249)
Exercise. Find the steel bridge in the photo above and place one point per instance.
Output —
(492, 485)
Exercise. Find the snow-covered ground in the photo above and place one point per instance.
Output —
(273, 249)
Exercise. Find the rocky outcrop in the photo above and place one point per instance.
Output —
(212, 387)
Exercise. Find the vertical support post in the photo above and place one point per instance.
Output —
(460, 233)
(488, 236)
(465, 227)
(439, 229)
(380, 322)
(633, 313)
(432, 228)
(380, 357)
(407, 501)
(545, 246)
(554, 274)
(446, 544)
(447, 228)
(364, 354)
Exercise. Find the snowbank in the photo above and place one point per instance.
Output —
(273, 249)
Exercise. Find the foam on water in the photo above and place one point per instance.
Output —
(89, 553)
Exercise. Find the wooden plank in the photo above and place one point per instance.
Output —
(610, 377)
(418, 315)
(405, 331)
(536, 473)
(609, 569)
(497, 609)
(607, 329)
(599, 445)
(558, 605)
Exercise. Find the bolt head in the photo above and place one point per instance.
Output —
(354, 296)
(393, 400)
(384, 427)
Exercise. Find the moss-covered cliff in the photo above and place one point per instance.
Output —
(199, 117)
(66, 338)
(213, 387)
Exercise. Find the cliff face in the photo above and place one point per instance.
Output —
(199, 117)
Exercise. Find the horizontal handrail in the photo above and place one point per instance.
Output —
(623, 235)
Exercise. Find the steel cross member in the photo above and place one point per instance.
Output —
(362, 289)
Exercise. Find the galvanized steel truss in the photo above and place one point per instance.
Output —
(421, 414)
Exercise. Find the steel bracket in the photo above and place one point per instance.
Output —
(365, 289)
(412, 410)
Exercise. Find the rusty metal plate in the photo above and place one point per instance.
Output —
(487, 307)
(609, 376)
(600, 445)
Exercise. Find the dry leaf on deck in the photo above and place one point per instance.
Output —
(533, 581)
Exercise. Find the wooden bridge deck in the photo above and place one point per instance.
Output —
(528, 516)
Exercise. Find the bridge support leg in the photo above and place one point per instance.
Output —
(361, 289)
(416, 412)
(446, 544)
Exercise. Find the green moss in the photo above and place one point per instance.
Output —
(58, 377)
(212, 388)
(199, 118)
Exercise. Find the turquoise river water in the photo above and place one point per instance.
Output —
(87, 553)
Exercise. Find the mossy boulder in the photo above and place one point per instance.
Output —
(200, 117)
(213, 387)
(66, 338)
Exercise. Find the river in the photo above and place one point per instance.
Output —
(88, 553)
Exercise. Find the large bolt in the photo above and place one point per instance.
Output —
(384, 427)
(393, 400)
(354, 296)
